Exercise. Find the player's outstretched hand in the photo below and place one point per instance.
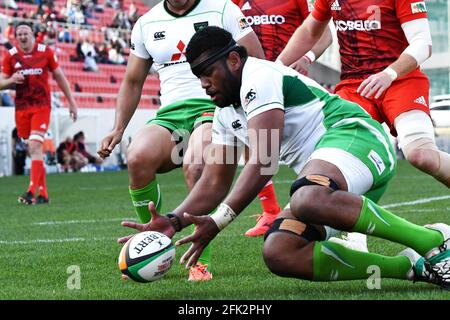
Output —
(375, 84)
(205, 230)
(109, 142)
(157, 223)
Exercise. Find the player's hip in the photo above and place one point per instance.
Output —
(185, 114)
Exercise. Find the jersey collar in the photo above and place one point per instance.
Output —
(176, 15)
(27, 53)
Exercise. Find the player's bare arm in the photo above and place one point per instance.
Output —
(302, 64)
(207, 193)
(127, 101)
(62, 82)
(304, 39)
(262, 128)
(7, 82)
(418, 34)
(252, 44)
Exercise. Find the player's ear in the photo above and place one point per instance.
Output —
(234, 60)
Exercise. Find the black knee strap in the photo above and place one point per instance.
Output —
(314, 179)
(292, 226)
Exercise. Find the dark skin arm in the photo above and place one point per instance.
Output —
(215, 183)
(251, 180)
(207, 193)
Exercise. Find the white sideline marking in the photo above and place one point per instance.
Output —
(49, 223)
(418, 201)
(54, 240)
(13, 242)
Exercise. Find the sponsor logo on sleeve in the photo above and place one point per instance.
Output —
(200, 25)
(418, 7)
(377, 161)
(246, 6)
(335, 6)
(250, 96)
(243, 24)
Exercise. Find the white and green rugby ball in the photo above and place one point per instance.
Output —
(147, 256)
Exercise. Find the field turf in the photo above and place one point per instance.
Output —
(39, 244)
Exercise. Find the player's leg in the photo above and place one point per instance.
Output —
(40, 123)
(316, 203)
(270, 206)
(34, 142)
(416, 139)
(319, 197)
(193, 164)
(405, 105)
(347, 90)
(149, 153)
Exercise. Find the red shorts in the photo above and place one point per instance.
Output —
(32, 119)
(410, 92)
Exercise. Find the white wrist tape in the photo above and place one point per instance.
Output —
(391, 73)
(279, 62)
(223, 216)
(311, 56)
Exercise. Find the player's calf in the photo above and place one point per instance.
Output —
(192, 172)
(288, 246)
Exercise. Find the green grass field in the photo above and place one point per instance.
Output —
(39, 243)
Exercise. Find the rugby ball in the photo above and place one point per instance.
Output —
(147, 256)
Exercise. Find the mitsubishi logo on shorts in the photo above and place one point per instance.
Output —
(181, 47)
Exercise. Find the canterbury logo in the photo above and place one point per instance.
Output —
(160, 35)
(143, 203)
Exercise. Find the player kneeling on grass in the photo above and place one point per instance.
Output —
(343, 159)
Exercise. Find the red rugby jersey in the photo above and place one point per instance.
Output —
(369, 31)
(35, 91)
(274, 21)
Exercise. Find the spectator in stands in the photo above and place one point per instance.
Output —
(68, 158)
(120, 20)
(133, 13)
(64, 36)
(89, 63)
(49, 149)
(10, 4)
(112, 4)
(50, 35)
(4, 40)
(9, 33)
(115, 55)
(6, 100)
(19, 153)
(80, 147)
(102, 53)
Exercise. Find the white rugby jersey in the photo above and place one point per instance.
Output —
(309, 110)
(163, 36)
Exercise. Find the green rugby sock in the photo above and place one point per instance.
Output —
(333, 262)
(379, 222)
(205, 257)
(141, 198)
